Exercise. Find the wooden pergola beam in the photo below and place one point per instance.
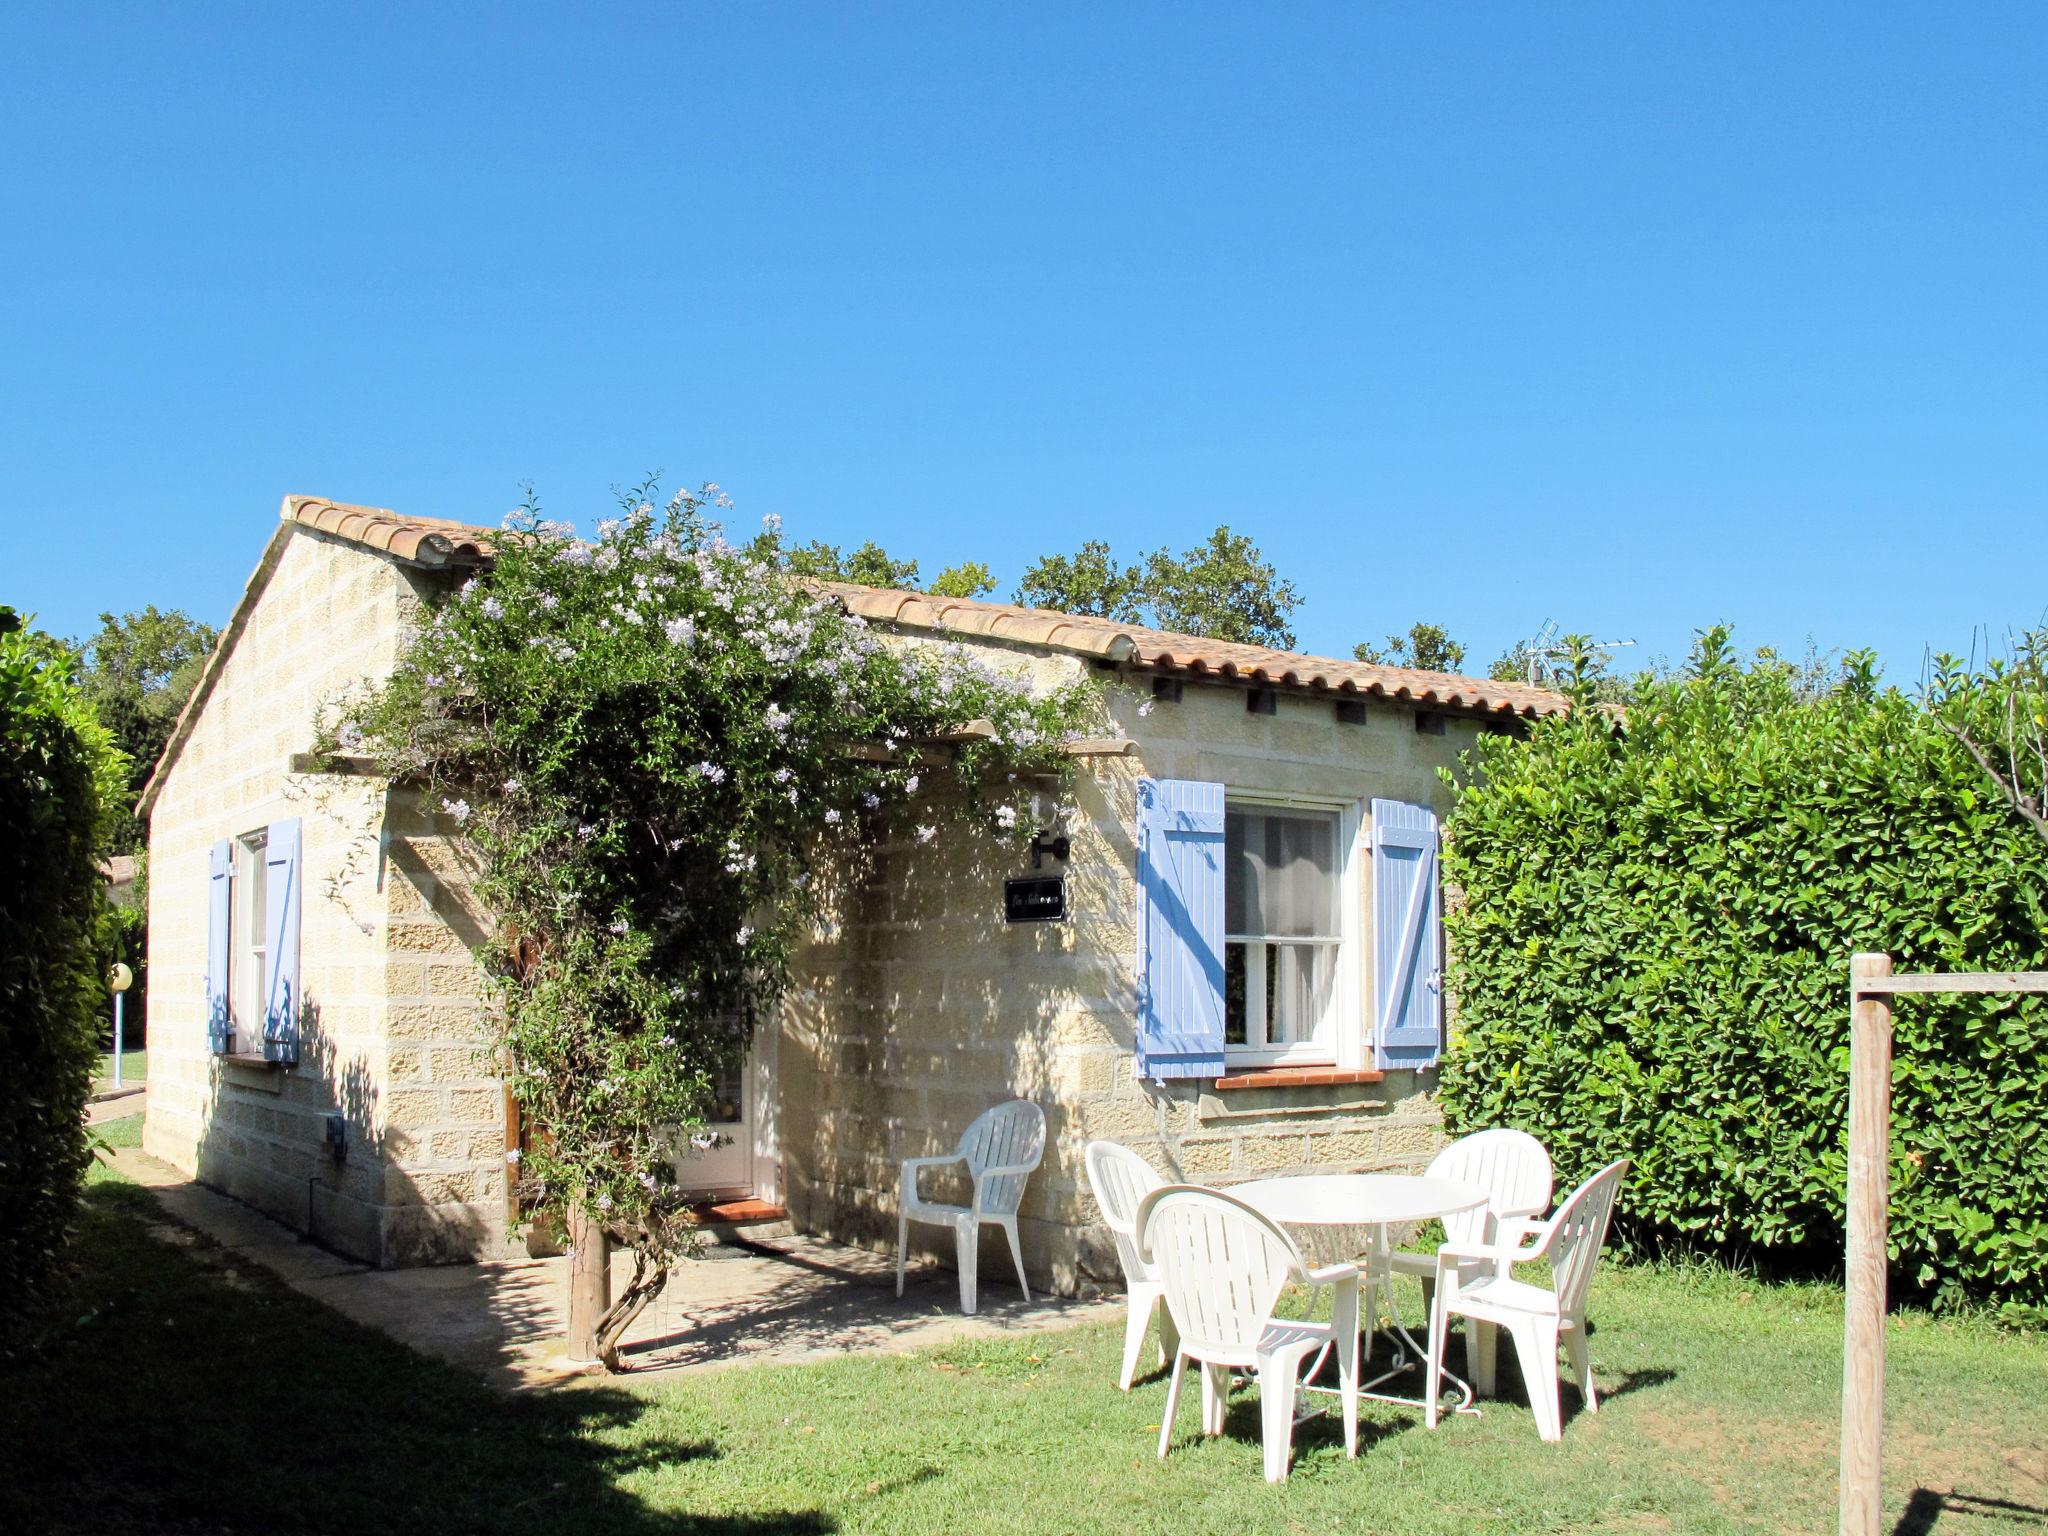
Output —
(1974, 981)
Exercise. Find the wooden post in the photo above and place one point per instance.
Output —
(590, 1283)
(1870, 1119)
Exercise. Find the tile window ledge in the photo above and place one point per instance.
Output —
(1296, 1077)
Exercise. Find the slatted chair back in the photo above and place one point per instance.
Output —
(1121, 1180)
(1221, 1265)
(1010, 1135)
(1513, 1169)
(1577, 1233)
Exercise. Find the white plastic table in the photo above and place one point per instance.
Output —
(1377, 1201)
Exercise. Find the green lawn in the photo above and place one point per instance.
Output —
(125, 1132)
(182, 1391)
(134, 1069)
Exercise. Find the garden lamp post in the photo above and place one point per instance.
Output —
(119, 980)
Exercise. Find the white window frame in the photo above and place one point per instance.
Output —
(1345, 1045)
(249, 939)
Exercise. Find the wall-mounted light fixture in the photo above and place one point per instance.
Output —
(1050, 816)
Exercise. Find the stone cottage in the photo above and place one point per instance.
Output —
(1234, 967)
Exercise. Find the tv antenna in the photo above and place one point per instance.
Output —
(1545, 652)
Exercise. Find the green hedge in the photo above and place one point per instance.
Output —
(57, 773)
(1650, 959)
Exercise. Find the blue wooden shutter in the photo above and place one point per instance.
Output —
(220, 1029)
(1407, 934)
(282, 872)
(1180, 928)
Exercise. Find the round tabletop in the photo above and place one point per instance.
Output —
(1357, 1199)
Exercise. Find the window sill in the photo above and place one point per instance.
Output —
(1295, 1077)
(254, 1060)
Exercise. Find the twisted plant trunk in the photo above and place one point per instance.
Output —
(651, 1263)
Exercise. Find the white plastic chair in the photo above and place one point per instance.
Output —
(1473, 1281)
(1121, 1180)
(1000, 1150)
(1221, 1265)
(1514, 1170)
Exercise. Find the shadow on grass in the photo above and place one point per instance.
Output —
(1925, 1507)
(179, 1390)
(1508, 1387)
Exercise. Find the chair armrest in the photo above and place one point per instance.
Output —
(1333, 1274)
(1510, 1230)
(1004, 1168)
(911, 1165)
(1451, 1255)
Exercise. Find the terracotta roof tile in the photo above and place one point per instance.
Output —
(1194, 656)
(433, 541)
(440, 542)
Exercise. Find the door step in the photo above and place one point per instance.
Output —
(725, 1222)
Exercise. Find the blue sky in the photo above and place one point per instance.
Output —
(1637, 318)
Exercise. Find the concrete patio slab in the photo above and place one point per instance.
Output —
(783, 1300)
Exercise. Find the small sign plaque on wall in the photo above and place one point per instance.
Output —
(1035, 899)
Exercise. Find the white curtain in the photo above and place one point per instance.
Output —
(1302, 978)
(1282, 873)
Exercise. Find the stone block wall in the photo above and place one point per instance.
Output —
(391, 996)
(918, 1006)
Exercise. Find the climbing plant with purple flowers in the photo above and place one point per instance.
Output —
(660, 747)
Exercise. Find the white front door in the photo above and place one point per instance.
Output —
(745, 1158)
(726, 1167)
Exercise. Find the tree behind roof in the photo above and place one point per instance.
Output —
(1223, 588)
(136, 672)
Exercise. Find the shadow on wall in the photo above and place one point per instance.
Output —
(306, 1147)
(361, 1205)
(926, 1006)
(918, 1006)
(427, 860)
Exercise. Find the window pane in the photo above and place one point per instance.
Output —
(1300, 981)
(1300, 875)
(1233, 994)
(1240, 875)
(255, 891)
(726, 1097)
(1280, 872)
